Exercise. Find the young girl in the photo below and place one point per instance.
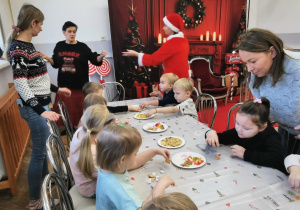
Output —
(292, 164)
(253, 138)
(83, 149)
(173, 201)
(117, 148)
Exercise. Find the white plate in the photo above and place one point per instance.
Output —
(135, 116)
(151, 125)
(159, 142)
(180, 158)
(139, 106)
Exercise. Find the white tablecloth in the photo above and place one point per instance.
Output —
(220, 184)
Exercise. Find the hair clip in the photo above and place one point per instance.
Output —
(89, 131)
(257, 100)
(16, 28)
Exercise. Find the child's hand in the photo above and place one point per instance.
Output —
(144, 105)
(212, 139)
(294, 178)
(154, 93)
(165, 182)
(163, 152)
(238, 151)
(150, 112)
(134, 108)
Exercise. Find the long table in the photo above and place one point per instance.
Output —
(222, 183)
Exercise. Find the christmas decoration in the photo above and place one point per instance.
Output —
(199, 12)
(241, 30)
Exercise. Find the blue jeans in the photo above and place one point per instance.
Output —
(38, 166)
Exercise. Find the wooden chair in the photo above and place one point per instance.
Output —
(67, 122)
(232, 114)
(113, 91)
(207, 106)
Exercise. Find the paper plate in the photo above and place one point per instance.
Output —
(170, 147)
(136, 116)
(152, 125)
(181, 157)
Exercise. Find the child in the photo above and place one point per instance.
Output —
(174, 200)
(292, 164)
(93, 99)
(183, 89)
(83, 149)
(166, 85)
(117, 148)
(93, 87)
(253, 138)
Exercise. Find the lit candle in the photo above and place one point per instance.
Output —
(159, 39)
(164, 40)
(201, 37)
(220, 37)
(207, 35)
(214, 36)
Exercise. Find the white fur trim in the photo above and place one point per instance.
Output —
(170, 25)
(140, 59)
(179, 35)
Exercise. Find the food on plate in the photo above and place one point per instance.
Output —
(141, 116)
(171, 142)
(156, 126)
(167, 161)
(192, 161)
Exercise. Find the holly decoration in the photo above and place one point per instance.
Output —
(241, 30)
(192, 22)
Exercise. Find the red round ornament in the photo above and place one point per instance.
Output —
(130, 18)
(133, 42)
(128, 30)
(233, 46)
(238, 41)
(140, 69)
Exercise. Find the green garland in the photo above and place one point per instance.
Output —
(199, 12)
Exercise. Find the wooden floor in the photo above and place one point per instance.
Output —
(19, 201)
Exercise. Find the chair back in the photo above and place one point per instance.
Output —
(53, 128)
(58, 160)
(232, 114)
(195, 94)
(207, 106)
(113, 91)
(57, 191)
(67, 121)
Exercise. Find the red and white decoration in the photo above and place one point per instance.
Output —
(102, 70)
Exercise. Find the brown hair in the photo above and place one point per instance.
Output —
(171, 77)
(93, 120)
(115, 141)
(171, 201)
(259, 112)
(259, 40)
(27, 14)
(91, 87)
(93, 99)
(186, 84)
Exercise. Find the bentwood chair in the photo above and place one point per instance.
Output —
(58, 160)
(53, 128)
(232, 115)
(113, 91)
(67, 122)
(58, 191)
(195, 94)
(207, 106)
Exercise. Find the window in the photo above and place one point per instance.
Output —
(3, 62)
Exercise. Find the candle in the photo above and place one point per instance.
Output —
(164, 40)
(220, 37)
(201, 37)
(214, 36)
(207, 35)
(159, 39)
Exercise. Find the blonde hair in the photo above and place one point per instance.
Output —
(114, 142)
(93, 120)
(184, 84)
(27, 14)
(171, 77)
(171, 201)
(91, 87)
(93, 99)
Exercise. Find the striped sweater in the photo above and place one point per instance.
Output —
(30, 76)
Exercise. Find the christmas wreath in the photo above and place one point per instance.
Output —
(198, 15)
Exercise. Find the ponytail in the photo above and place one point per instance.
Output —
(9, 40)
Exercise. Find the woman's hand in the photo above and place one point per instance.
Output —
(297, 128)
(64, 91)
(150, 112)
(50, 60)
(144, 105)
(103, 53)
(294, 178)
(52, 116)
(163, 152)
(212, 139)
(237, 151)
(130, 53)
(134, 108)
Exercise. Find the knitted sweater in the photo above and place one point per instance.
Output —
(285, 96)
(30, 75)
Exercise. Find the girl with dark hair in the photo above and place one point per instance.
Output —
(253, 138)
(275, 75)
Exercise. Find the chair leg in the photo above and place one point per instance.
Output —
(226, 100)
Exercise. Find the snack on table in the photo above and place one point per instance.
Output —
(141, 116)
(167, 161)
(192, 161)
(156, 126)
(171, 142)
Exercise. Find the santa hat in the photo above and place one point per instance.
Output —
(174, 22)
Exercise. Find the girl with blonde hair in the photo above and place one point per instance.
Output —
(83, 149)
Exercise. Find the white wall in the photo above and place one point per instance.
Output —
(279, 16)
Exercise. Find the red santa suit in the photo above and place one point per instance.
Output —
(174, 55)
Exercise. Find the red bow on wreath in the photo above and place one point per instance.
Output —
(139, 92)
